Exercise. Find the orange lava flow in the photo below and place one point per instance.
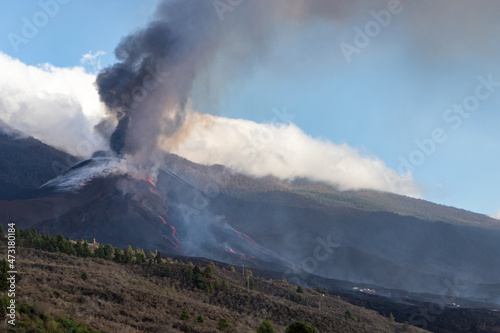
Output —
(151, 182)
(259, 247)
(162, 219)
(178, 243)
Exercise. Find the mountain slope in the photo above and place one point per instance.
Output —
(398, 204)
(26, 163)
(214, 212)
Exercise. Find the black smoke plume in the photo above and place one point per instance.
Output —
(147, 90)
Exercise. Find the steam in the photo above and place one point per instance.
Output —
(58, 106)
(283, 151)
(78, 177)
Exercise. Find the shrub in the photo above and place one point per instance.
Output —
(223, 323)
(84, 276)
(251, 284)
(223, 285)
(207, 272)
(200, 319)
(184, 314)
(299, 290)
(301, 327)
(266, 327)
(349, 315)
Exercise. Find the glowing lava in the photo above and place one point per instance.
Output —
(176, 242)
(161, 218)
(151, 182)
(258, 247)
(242, 256)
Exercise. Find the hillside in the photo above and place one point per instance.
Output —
(389, 202)
(136, 298)
(365, 200)
(216, 213)
(27, 163)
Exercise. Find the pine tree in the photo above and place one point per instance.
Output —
(59, 242)
(128, 254)
(86, 249)
(118, 255)
(100, 252)
(158, 258)
(108, 252)
(79, 248)
(184, 315)
(251, 284)
(207, 272)
(140, 257)
(167, 271)
(299, 290)
(223, 285)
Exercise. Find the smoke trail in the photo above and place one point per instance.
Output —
(147, 90)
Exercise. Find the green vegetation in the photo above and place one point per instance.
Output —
(301, 327)
(266, 327)
(31, 238)
(223, 285)
(252, 284)
(224, 324)
(184, 314)
(374, 201)
(141, 286)
(31, 320)
(299, 290)
(348, 315)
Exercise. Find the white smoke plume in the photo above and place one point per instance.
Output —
(283, 151)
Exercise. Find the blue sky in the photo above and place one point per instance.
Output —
(395, 91)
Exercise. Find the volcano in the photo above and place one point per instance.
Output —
(301, 229)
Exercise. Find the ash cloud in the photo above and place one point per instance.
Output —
(148, 89)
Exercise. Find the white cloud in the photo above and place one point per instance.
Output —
(58, 106)
(93, 59)
(284, 151)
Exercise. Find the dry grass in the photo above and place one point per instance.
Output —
(130, 298)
